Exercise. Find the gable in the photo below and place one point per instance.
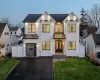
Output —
(2, 26)
(71, 17)
(45, 17)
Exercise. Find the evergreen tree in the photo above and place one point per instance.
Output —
(83, 17)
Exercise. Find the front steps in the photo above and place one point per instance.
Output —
(59, 57)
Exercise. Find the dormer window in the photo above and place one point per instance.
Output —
(31, 28)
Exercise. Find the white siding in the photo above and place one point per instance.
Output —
(90, 43)
(72, 36)
(4, 40)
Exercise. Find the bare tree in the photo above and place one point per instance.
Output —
(93, 16)
(6, 20)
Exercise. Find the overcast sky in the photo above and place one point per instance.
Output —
(17, 10)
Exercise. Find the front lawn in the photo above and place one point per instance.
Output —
(76, 69)
(6, 65)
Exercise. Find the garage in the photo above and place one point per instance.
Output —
(30, 49)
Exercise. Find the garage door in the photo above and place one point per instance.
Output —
(30, 49)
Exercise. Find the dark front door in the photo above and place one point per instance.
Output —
(30, 49)
(58, 45)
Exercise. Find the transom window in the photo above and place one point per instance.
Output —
(46, 45)
(45, 27)
(71, 28)
(71, 45)
(32, 28)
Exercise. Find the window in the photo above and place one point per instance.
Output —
(71, 45)
(6, 33)
(11, 32)
(15, 32)
(71, 28)
(45, 28)
(46, 45)
(32, 28)
(7, 45)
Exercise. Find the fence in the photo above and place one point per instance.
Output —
(18, 51)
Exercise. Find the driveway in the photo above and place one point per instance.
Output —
(33, 69)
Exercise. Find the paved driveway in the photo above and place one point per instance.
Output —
(33, 69)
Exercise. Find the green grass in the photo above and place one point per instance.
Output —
(6, 65)
(76, 69)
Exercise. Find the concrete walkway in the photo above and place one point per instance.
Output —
(33, 69)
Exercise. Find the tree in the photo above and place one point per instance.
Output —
(6, 20)
(93, 15)
(83, 17)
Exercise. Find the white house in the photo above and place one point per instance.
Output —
(15, 36)
(50, 34)
(93, 43)
(4, 39)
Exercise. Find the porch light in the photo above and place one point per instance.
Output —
(26, 23)
(74, 17)
(24, 45)
(37, 45)
(36, 24)
(68, 18)
(58, 23)
(48, 17)
(42, 17)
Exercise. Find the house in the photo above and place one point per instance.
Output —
(4, 39)
(93, 43)
(15, 36)
(50, 34)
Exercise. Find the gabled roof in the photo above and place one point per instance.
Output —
(32, 17)
(96, 38)
(59, 17)
(35, 17)
(13, 28)
(2, 26)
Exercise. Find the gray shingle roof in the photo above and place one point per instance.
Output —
(34, 17)
(2, 26)
(13, 28)
(59, 17)
(96, 38)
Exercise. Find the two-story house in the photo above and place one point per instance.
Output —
(50, 34)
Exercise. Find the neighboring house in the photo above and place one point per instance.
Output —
(50, 34)
(4, 39)
(93, 43)
(15, 36)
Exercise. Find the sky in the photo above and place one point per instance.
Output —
(17, 10)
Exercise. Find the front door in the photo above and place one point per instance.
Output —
(30, 49)
(58, 46)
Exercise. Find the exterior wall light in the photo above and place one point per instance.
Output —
(24, 45)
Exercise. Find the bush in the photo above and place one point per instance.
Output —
(93, 58)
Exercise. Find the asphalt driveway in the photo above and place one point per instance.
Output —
(33, 69)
